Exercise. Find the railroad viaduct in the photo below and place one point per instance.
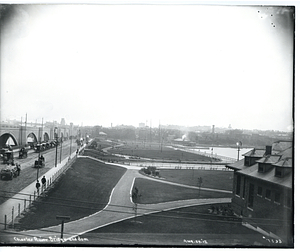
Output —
(20, 135)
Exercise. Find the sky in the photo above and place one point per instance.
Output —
(186, 65)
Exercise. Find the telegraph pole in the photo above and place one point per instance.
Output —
(61, 142)
(56, 137)
(70, 139)
(26, 129)
(21, 131)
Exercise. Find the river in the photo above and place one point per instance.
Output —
(222, 151)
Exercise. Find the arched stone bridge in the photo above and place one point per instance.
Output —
(16, 135)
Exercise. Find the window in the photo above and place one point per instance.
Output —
(247, 161)
(277, 197)
(251, 195)
(278, 172)
(260, 168)
(268, 194)
(238, 185)
(259, 191)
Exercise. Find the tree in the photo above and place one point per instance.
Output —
(199, 184)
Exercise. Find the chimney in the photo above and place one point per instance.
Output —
(268, 150)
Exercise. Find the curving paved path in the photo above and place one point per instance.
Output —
(113, 213)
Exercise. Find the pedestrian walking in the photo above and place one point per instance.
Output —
(38, 185)
(18, 169)
(44, 182)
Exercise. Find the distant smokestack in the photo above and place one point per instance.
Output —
(213, 129)
(268, 149)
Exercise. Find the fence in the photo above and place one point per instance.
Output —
(165, 165)
(13, 208)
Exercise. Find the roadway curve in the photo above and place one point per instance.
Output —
(120, 207)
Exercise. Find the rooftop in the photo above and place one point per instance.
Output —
(268, 176)
(281, 155)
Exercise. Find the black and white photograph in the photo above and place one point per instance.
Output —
(165, 124)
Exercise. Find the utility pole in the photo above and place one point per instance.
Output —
(70, 139)
(150, 133)
(42, 128)
(61, 142)
(199, 184)
(56, 137)
(26, 129)
(39, 156)
(21, 131)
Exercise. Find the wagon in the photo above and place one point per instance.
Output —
(8, 157)
(10, 171)
(23, 153)
(40, 163)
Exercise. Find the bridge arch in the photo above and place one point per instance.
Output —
(31, 138)
(7, 139)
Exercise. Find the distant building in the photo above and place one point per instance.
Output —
(142, 125)
(263, 190)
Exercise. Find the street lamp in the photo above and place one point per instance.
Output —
(61, 142)
(70, 140)
(56, 138)
(239, 145)
(39, 156)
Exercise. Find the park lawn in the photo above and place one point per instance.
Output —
(103, 156)
(166, 153)
(101, 144)
(215, 179)
(155, 192)
(179, 227)
(83, 190)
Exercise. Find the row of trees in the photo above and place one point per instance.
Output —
(166, 135)
(141, 134)
(230, 139)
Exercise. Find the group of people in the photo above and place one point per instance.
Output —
(38, 185)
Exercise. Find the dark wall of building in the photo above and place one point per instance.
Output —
(272, 212)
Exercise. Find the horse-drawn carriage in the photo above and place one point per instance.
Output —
(8, 156)
(23, 153)
(40, 163)
(10, 171)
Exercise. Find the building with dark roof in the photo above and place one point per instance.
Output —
(263, 190)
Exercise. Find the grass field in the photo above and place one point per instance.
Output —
(93, 181)
(185, 226)
(103, 156)
(210, 178)
(83, 190)
(156, 152)
(156, 192)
